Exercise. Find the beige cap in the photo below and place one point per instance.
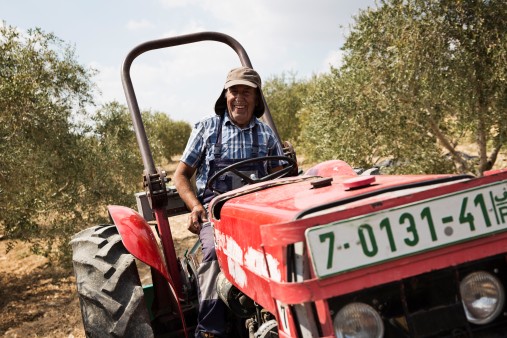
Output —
(241, 76)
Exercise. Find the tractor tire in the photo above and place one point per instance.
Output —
(267, 330)
(110, 293)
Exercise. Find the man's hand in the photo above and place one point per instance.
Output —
(197, 216)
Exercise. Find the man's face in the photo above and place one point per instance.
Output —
(241, 102)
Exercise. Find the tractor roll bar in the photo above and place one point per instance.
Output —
(128, 88)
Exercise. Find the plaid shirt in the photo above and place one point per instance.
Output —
(236, 144)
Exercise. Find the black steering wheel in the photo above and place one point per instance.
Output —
(249, 180)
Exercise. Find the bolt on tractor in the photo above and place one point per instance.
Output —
(324, 253)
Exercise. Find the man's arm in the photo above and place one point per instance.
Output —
(182, 177)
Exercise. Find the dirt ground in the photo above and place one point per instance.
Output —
(39, 300)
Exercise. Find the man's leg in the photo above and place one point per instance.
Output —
(211, 316)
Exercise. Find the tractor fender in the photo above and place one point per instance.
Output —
(332, 168)
(137, 237)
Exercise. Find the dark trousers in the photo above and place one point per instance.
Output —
(212, 312)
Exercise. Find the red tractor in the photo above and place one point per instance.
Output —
(327, 253)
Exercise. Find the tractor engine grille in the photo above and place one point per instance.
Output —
(430, 305)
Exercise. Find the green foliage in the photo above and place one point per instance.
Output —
(429, 73)
(40, 86)
(419, 78)
(337, 123)
(59, 165)
(285, 95)
(168, 137)
(114, 167)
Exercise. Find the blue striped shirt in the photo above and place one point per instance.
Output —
(236, 144)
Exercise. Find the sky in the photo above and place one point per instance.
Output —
(298, 37)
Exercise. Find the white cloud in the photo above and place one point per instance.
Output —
(334, 58)
(184, 81)
(175, 3)
(285, 35)
(108, 79)
(136, 25)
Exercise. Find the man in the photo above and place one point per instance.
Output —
(232, 135)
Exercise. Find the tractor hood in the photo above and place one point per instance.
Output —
(353, 227)
(297, 197)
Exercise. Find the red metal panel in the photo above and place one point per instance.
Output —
(269, 228)
(315, 289)
(169, 250)
(332, 168)
(285, 202)
(140, 241)
(289, 232)
(243, 261)
(137, 237)
(324, 316)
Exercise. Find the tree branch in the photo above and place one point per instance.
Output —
(457, 158)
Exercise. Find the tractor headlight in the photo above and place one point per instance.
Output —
(483, 297)
(358, 320)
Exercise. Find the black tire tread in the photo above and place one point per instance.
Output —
(108, 285)
(267, 330)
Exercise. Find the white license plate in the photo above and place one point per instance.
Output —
(378, 237)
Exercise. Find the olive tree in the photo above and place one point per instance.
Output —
(42, 90)
(61, 162)
(422, 77)
(168, 137)
(284, 95)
